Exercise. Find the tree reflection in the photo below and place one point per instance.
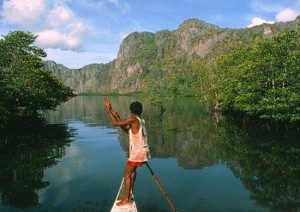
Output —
(189, 134)
(267, 162)
(192, 142)
(25, 153)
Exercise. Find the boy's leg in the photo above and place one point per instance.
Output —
(128, 184)
(133, 177)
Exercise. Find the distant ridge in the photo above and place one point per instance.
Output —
(145, 53)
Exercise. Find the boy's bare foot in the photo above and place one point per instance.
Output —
(123, 203)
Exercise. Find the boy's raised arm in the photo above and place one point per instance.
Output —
(114, 116)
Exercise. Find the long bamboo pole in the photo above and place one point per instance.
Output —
(163, 191)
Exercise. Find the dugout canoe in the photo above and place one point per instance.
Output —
(127, 208)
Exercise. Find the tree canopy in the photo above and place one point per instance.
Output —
(25, 88)
(262, 80)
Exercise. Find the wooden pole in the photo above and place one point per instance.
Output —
(163, 191)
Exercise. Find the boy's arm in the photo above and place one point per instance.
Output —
(115, 117)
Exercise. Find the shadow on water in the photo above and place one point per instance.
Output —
(25, 152)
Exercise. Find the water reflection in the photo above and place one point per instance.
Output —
(25, 153)
(265, 164)
(188, 133)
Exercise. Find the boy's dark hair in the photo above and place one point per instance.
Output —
(136, 108)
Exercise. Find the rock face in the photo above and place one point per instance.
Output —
(89, 79)
(144, 54)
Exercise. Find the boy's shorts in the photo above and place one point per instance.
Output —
(131, 163)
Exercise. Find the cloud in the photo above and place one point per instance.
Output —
(53, 21)
(23, 12)
(56, 39)
(65, 31)
(287, 15)
(258, 21)
(281, 14)
(59, 15)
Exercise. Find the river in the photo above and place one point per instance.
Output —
(205, 162)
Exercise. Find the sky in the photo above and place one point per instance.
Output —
(76, 33)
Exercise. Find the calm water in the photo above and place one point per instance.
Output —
(206, 163)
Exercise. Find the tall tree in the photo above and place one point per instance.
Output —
(25, 88)
(263, 80)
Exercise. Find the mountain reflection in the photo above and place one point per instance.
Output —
(191, 142)
(25, 153)
(266, 162)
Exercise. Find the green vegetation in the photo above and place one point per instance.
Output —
(261, 80)
(161, 86)
(252, 71)
(139, 47)
(266, 82)
(254, 76)
(25, 88)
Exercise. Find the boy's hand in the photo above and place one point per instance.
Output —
(107, 104)
(116, 114)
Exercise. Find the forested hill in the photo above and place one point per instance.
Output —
(145, 55)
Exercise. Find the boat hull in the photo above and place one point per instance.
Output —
(128, 208)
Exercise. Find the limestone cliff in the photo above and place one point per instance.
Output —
(160, 54)
(89, 79)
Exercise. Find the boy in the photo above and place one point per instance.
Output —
(138, 146)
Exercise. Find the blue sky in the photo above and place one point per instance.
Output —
(80, 32)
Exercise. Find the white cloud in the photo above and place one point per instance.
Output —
(287, 15)
(23, 12)
(53, 21)
(59, 15)
(56, 39)
(282, 15)
(258, 21)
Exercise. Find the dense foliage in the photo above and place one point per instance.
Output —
(261, 80)
(25, 88)
(161, 86)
